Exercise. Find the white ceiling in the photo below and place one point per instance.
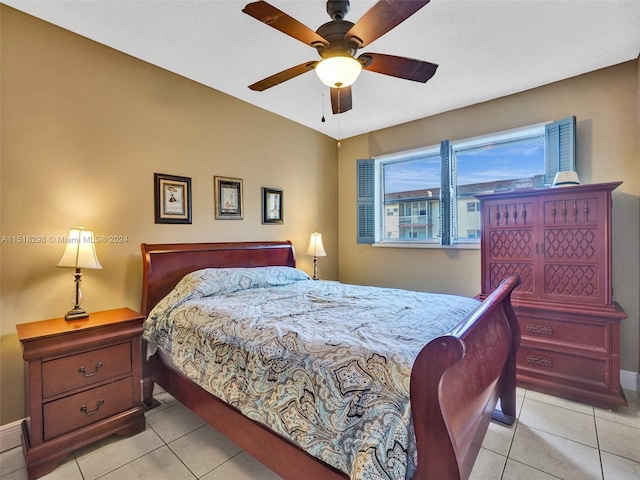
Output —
(485, 49)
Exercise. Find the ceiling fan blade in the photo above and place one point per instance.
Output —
(283, 76)
(341, 100)
(382, 17)
(401, 67)
(281, 21)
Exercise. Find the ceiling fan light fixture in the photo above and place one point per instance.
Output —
(339, 71)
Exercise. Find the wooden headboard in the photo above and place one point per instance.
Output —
(164, 265)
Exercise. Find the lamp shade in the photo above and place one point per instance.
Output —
(566, 178)
(316, 248)
(80, 251)
(337, 72)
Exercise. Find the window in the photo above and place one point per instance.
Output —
(473, 207)
(411, 186)
(491, 163)
(429, 195)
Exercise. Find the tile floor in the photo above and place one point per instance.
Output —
(553, 439)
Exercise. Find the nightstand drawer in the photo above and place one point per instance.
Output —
(70, 413)
(76, 371)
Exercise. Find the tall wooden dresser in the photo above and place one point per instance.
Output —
(558, 240)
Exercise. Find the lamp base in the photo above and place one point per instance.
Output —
(76, 314)
(315, 268)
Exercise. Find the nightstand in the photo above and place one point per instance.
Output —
(82, 384)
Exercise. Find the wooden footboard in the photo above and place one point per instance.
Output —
(456, 380)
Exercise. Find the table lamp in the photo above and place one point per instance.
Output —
(315, 250)
(79, 253)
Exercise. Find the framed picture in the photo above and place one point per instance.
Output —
(228, 198)
(172, 198)
(271, 206)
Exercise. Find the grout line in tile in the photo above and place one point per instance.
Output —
(564, 438)
(6, 452)
(614, 419)
(533, 468)
(590, 414)
(124, 464)
(223, 463)
(178, 456)
(619, 456)
(181, 461)
(595, 425)
(515, 430)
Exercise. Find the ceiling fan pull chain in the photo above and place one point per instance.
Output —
(339, 144)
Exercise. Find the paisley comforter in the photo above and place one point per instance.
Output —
(324, 364)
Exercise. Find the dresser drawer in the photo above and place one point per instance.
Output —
(76, 411)
(586, 336)
(77, 371)
(564, 368)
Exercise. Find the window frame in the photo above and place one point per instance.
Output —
(559, 155)
(460, 146)
(379, 205)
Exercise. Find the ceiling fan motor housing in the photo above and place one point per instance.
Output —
(334, 33)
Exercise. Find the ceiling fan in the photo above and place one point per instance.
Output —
(337, 43)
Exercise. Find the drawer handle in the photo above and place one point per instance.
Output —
(540, 361)
(537, 329)
(83, 370)
(83, 408)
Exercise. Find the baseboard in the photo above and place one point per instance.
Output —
(10, 435)
(630, 380)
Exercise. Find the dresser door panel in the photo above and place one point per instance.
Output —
(573, 258)
(503, 269)
(510, 244)
(569, 209)
(572, 283)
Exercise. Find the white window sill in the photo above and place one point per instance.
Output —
(457, 246)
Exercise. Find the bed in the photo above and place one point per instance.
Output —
(453, 386)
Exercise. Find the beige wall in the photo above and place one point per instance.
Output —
(84, 128)
(606, 104)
